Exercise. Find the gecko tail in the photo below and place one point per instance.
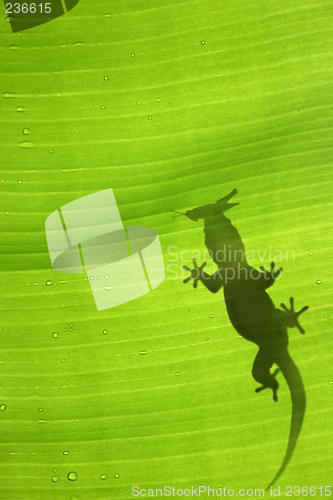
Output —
(298, 401)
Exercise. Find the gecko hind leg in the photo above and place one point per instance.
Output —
(261, 373)
(273, 386)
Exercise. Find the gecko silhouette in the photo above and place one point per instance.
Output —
(251, 310)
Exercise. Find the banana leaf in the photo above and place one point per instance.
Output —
(172, 105)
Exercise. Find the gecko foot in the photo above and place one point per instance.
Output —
(270, 276)
(195, 273)
(274, 389)
(273, 384)
(292, 316)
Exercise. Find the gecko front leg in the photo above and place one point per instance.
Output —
(290, 316)
(268, 277)
(213, 282)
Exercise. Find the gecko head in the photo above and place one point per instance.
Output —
(212, 209)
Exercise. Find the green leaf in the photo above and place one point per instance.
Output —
(172, 105)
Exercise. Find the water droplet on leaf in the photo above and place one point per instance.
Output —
(72, 476)
(26, 145)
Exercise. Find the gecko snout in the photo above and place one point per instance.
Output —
(196, 213)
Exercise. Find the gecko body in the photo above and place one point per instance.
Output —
(251, 310)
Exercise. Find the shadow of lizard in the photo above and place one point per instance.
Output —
(251, 310)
